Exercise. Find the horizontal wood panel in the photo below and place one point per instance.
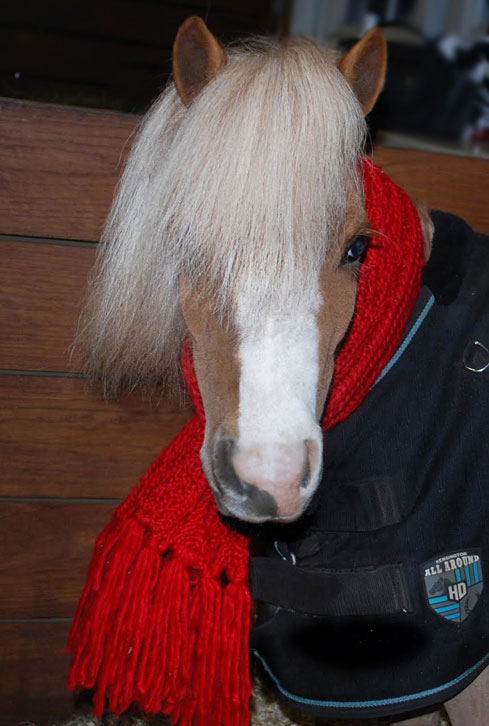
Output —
(41, 296)
(110, 54)
(58, 168)
(60, 439)
(34, 667)
(134, 23)
(77, 93)
(454, 184)
(88, 59)
(45, 554)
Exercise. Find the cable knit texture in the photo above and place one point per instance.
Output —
(164, 618)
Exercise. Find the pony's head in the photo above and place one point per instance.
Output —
(240, 225)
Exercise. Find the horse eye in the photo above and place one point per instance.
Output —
(356, 250)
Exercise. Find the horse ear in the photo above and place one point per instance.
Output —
(197, 57)
(364, 67)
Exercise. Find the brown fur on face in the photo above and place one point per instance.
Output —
(216, 362)
(338, 285)
(215, 345)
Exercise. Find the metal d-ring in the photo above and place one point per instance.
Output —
(476, 357)
(291, 558)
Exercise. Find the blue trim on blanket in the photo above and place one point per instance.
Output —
(407, 339)
(377, 702)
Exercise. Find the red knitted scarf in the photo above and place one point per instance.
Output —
(164, 619)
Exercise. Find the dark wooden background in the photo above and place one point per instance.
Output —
(68, 456)
(110, 53)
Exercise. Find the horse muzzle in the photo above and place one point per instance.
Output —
(273, 482)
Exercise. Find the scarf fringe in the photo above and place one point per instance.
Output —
(152, 632)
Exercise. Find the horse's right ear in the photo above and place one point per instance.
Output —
(364, 67)
(197, 57)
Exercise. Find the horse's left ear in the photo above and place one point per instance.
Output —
(197, 57)
(364, 67)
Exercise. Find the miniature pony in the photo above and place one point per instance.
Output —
(240, 226)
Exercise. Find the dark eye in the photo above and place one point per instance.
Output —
(356, 250)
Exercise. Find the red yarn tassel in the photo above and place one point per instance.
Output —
(152, 634)
(164, 618)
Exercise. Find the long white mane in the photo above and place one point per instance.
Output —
(245, 190)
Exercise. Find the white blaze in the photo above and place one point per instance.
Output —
(279, 437)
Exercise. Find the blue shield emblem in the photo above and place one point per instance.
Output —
(453, 584)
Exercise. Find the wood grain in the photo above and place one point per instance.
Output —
(148, 36)
(59, 439)
(40, 299)
(46, 550)
(454, 184)
(86, 59)
(154, 23)
(34, 666)
(110, 54)
(58, 168)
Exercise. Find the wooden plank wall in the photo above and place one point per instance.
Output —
(67, 455)
(108, 53)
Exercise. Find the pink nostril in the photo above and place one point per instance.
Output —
(263, 471)
(289, 499)
(280, 470)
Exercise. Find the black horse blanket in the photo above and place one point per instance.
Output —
(374, 602)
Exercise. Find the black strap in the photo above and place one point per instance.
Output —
(317, 591)
(360, 506)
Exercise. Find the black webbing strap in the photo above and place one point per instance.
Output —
(316, 591)
(361, 506)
